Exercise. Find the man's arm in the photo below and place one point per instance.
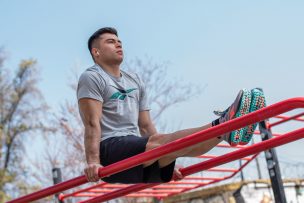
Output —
(146, 127)
(91, 112)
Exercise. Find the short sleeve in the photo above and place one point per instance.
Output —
(90, 85)
(143, 96)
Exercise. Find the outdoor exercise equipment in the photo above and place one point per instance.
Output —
(246, 153)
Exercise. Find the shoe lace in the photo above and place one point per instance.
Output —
(219, 112)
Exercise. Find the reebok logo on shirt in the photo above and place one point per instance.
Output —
(121, 94)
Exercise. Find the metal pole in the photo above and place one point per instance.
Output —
(258, 168)
(273, 166)
(242, 174)
(258, 165)
(57, 178)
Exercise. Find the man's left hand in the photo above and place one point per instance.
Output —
(177, 174)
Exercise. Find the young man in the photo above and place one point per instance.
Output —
(114, 109)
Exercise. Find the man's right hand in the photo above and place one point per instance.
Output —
(91, 172)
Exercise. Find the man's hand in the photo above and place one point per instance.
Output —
(91, 172)
(177, 175)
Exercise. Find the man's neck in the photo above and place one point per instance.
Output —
(113, 69)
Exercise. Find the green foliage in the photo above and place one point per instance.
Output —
(21, 109)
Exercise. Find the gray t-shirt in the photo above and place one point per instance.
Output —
(122, 99)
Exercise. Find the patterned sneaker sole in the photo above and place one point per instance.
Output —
(257, 102)
(235, 136)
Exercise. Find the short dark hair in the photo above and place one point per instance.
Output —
(100, 32)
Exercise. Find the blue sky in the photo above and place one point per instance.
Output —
(227, 45)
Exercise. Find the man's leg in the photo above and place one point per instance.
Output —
(239, 107)
(158, 140)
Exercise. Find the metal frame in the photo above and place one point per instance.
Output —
(254, 117)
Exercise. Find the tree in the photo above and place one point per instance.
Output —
(21, 114)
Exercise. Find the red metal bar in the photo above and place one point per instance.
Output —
(51, 190)
(218, 180)
(170, 183)
(274, 134)
(255, 148)
(229, 170)
(130, 195)
(223, 128)
(156, 191)
(228, 146)
(287, 118)
(166, 186)
(146, 195)
(122, 192)
(232, 156)
(108, 185)
(208, 156)
(160, 190)
(284, 119)
(195, 138)
(63, 196)
(202, 178)
(183, 182)
(297, 119)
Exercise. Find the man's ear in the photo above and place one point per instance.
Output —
(95, 52)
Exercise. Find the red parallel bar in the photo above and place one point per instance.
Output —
(109, 185)
(174, 191)
(183, 183)
(253, 149)
(155, 191)
(131, 195)
(234, 124)
(202, 178)
(147, 195)
(232, 156)
(160, 190)
(167, 186)
(172, 186)
(228, 146)
(102, 190)
(115, 186)
(229, 170)
(218, 180)
(297, 119)
(254, 117)
(121, 187)
(63, 196)
(178, 182)
(103, 186)
(121, 192)
(274, 134)
(286, 118)
(207, 156)
(186, 188)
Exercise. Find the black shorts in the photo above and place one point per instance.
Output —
(118, 148)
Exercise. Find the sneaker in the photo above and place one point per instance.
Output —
(257, 102)
(237, 109)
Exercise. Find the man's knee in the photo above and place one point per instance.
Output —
(155, 141)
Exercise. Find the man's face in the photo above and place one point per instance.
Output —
(109, 49)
